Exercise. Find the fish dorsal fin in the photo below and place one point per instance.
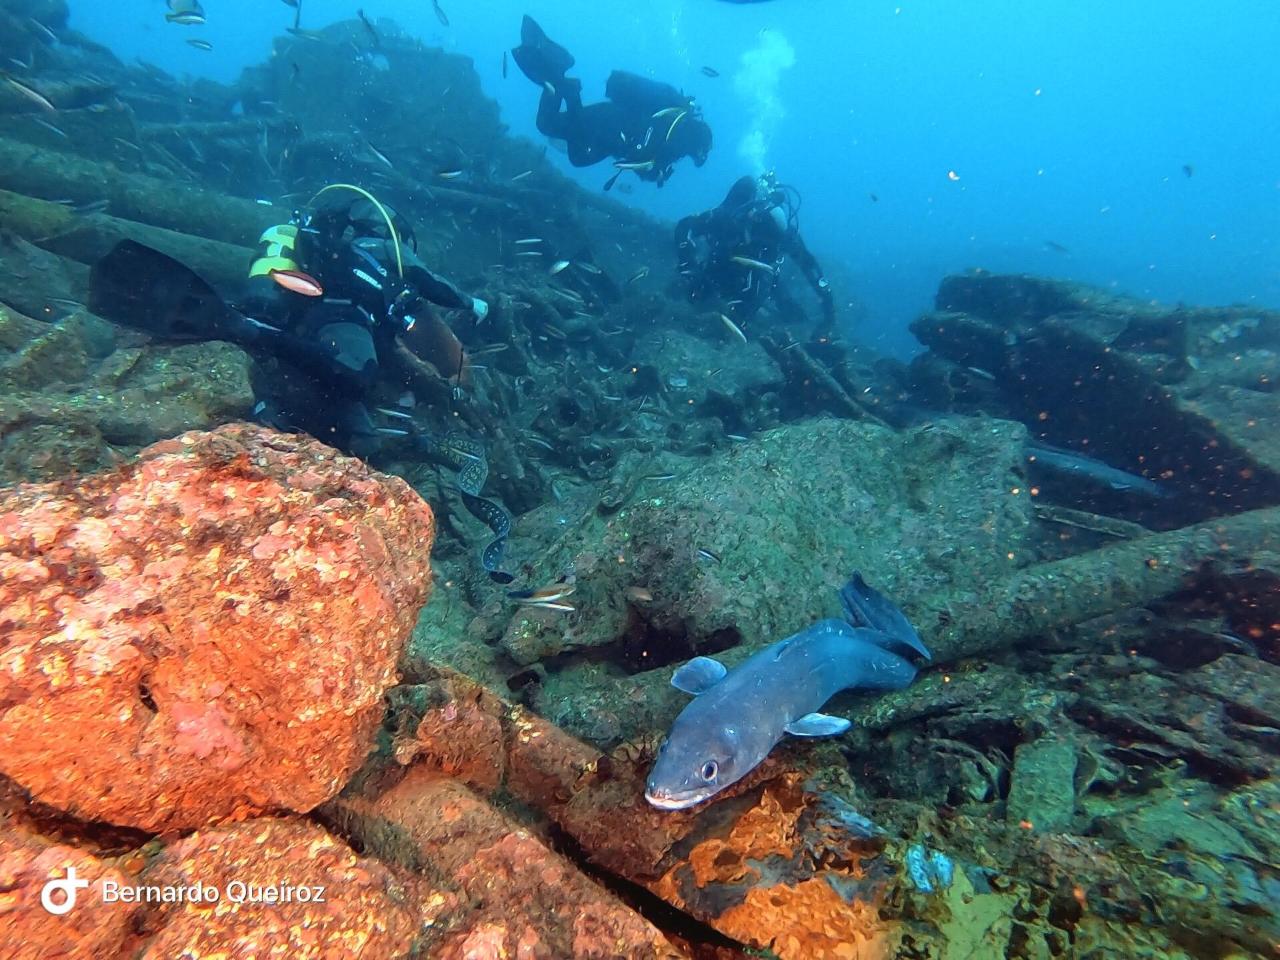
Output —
(698, 675)
(817, 725)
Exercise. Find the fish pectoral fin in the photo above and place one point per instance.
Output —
(698, 675)
(817, 725)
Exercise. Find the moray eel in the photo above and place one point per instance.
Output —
(737, 716)
(468, 457)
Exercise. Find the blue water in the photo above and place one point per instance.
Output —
(984, 129)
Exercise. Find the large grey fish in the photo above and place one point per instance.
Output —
(1078, 465)
(738, 715)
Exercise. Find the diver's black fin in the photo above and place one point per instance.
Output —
(539, 57)
(139, 287)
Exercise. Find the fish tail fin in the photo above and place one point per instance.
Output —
(864, 606)
(849, 600)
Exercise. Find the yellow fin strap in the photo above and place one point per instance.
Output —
(263, 266)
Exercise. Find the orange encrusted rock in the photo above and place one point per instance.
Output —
(89, 927)
(509, 894)
(206, 632)
(280, 888)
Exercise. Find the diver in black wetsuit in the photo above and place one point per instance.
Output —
(646, 126)
(735, 252)
(332, 295)
(375, 292)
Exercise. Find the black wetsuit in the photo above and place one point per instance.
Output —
(344, 341)
(746, 226)
(643, 123)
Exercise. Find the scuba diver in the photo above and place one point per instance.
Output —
(645, 125)
(337, 315)
(735, 252)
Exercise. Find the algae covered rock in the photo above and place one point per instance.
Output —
(206, 632)
(753, 544)
(71, 401)
(1042, 795)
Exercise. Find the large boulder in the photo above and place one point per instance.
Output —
(206, 632)
(754, 544)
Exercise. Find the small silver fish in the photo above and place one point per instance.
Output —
(539, 442)
(382, 157)
(49, 34)
(558, 606)
(552, 594)
(89, 209)
(755, 264)
(733, 328)
(49, 126)
(638, 275)
(521, 176)
(32, 94)
(557, 267)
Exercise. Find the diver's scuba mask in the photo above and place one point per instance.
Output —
(774, 199)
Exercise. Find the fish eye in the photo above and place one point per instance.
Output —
(709, 770)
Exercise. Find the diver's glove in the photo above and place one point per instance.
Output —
(479, 309)
(400, 311)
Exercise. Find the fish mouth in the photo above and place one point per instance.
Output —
(664, 800)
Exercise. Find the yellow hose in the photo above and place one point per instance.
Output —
(395, 238)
